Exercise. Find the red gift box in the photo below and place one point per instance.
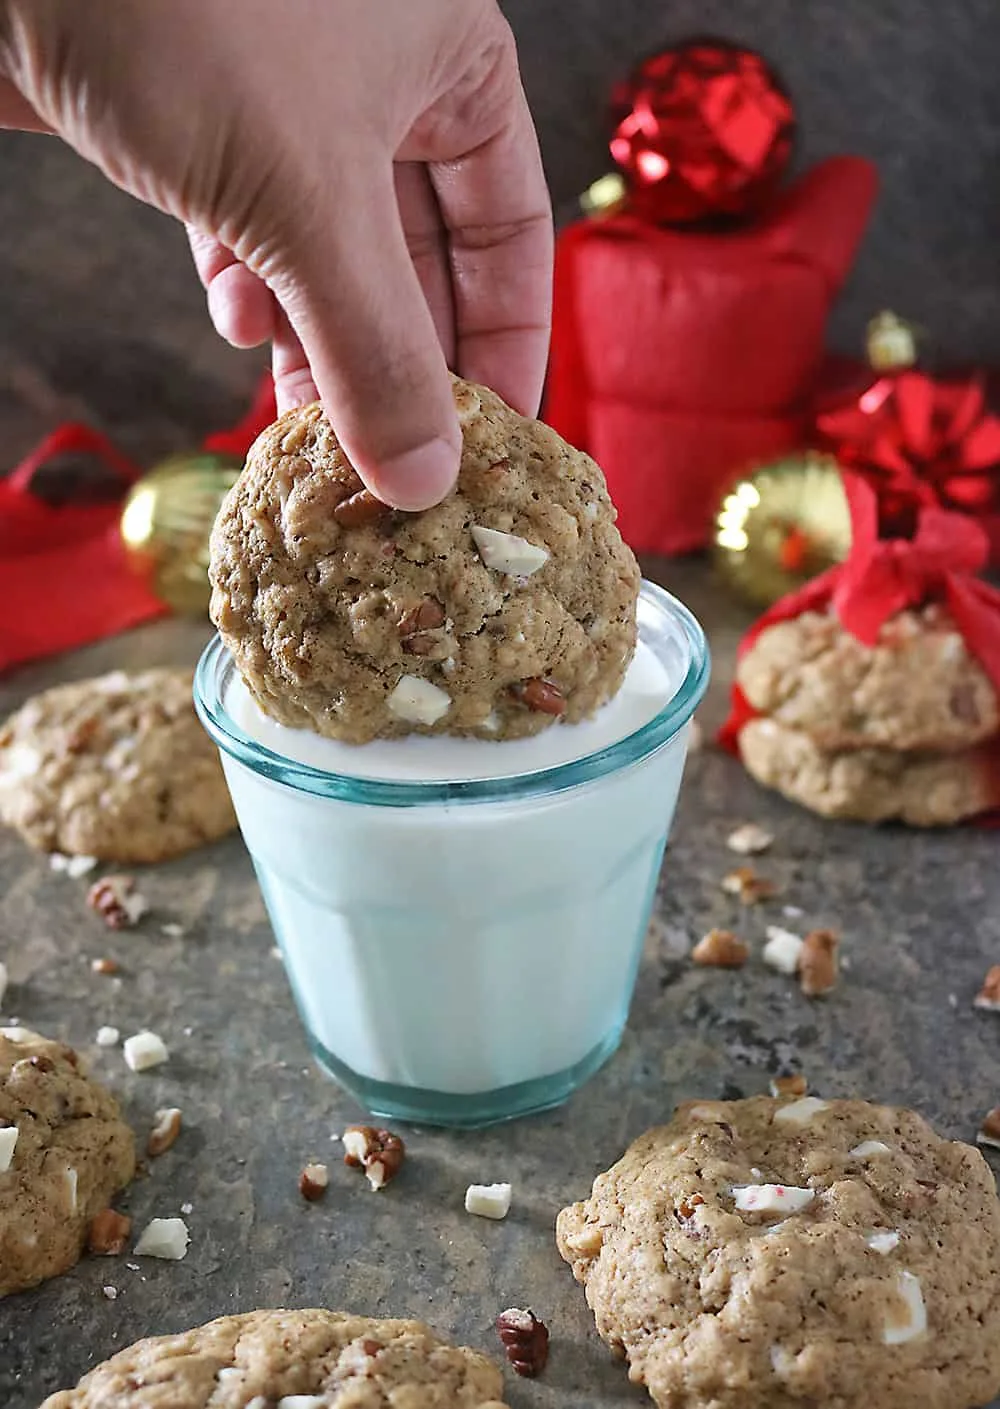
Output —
(680, 357)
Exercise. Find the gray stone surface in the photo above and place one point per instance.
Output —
(920, 916)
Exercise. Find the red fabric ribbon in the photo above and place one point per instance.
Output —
(64, 578)
(920, 441)
(882, 577)
(680, 357)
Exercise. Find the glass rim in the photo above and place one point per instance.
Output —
(216, 664)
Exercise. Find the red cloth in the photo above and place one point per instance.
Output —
(64, 578)
(679, 357)
(884, 576)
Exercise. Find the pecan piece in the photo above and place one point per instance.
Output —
(750, 887)
(685, 1209)
(794, 1084)
(544, 696)
(427, 615)
(359, 509)
(108, 1233)
(988, 996)
(818, 968)
(164, 1132)
(721, 949)
(116, 901)
(525, 1340)
(379, 1153)
(989, 1129)
(313, 1181)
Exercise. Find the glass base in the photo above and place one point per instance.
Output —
(465, 1111)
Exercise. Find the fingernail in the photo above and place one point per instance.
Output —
(418, 478)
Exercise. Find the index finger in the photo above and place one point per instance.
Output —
(496, 208)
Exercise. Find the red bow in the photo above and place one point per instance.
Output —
(883, 576)
(920, 442)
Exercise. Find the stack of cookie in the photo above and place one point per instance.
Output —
(907, 729)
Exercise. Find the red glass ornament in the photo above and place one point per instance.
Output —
(701, 130)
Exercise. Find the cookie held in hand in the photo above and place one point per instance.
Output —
(504, 609)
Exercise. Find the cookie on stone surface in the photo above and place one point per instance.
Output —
(117, 767)
(872, 784)
(71, 1154)
(330, 1359)
(494, 614)
(919, 688)
(762, 1254)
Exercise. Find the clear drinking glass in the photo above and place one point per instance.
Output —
(464, 952)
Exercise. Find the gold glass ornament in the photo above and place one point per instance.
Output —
(166, 521)
(782, 525)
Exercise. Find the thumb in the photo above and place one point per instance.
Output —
(354, 300)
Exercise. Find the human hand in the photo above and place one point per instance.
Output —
(361, 183)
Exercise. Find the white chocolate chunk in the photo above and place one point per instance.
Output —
(771, 1198)
(488, 1200)
(302, 1401)
(867, 1148)
(506, 552)
(228, 1373)
(71, 1185)
(912, 1321)
(107, 1036)
(144, 1050)
(800, 1112)
(20, 1034)
(782, 949)
(418, 701)
(77, 866)
(749, 840)
(8, 1139)
(163, 1237)
(883, 1242)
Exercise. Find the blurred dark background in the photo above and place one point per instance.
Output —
(101, 315)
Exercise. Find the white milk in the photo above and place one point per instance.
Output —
(462, 946)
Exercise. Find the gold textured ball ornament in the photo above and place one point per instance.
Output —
(166, 522)
(782, 525)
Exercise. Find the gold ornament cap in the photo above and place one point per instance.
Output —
(891, 343)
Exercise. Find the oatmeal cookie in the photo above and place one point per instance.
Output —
(919, 688)
(117, 767)
(497, 612)
(71, 1154)
(872, 784)
(317, 1358)
(765, 1254)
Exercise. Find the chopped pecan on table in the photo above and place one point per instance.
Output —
(313, 1182)
(116, 901)
(721, 949)
(751, 888)
(108, 1233)
(164, 1132)
(818, 968)
(525, 1340)
(379, 1153)
(988, 996)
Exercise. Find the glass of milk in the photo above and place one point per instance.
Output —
(462, 920)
